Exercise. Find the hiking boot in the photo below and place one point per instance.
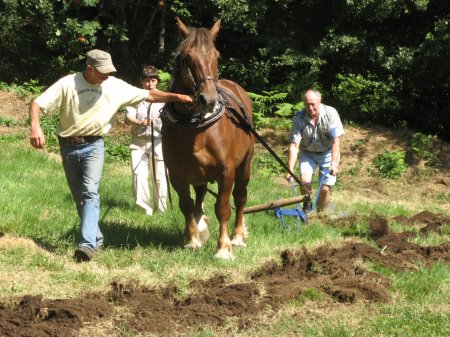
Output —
(307, 205)
(84, 254)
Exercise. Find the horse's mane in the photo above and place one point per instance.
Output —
(198, 38)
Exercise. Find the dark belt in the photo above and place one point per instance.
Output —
(78, 140)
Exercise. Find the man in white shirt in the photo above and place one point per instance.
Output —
(87, 102)
(316, 131)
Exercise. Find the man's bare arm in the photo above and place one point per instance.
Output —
(37, 137)
(158, 96)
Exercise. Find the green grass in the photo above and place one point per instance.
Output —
(37, 208)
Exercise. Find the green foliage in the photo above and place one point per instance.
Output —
(389, 164)
(117, 148)
(266, 165)
(118, 152)
(269, 104)
(9, 122)
(365, 99)
(444, 198)
(354, 51)
(5, 139)
(30, 88)
(354, 170)
(164, 80)
(357, 144)
(49, 125)
(419, 285)
(423, 146)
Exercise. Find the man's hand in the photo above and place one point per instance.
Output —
(185, 98)
(333, 170)
(37, 137)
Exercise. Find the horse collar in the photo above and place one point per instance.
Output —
(174, 119)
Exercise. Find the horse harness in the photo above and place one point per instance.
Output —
(223, 105)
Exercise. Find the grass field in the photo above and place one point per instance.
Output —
(39, 229)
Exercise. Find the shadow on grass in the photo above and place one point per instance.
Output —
(119, 235)
(122, 233)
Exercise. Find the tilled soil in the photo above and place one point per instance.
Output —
(336, 271)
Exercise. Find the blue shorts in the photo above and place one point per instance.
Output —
(309, 162)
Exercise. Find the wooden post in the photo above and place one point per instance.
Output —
(274, 204)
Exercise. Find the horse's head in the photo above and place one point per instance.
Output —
(197, 63)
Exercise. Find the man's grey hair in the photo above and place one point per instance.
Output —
(316, 92)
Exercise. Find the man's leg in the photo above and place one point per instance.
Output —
(92, 156)
(324, 198)
(329, 181)
(74, 174)
(83, 166)
(307, 167)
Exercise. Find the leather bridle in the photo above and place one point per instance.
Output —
(195, 85)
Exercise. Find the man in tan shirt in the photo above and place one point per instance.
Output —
(87, 102)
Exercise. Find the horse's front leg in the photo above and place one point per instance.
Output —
(199, 213)
(223, 213)
(240, 233)
(186, 205)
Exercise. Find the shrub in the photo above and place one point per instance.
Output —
(389, 164)
(270, 104)
(49, 124)
(365, 98)
(423, 147)
(9, 122)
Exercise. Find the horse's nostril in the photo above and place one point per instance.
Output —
(202, 100)
(207, 100)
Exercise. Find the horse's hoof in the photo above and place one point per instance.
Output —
(193, 244)
(238, 241)
(245, 230)
(203, 230)
(224, 254)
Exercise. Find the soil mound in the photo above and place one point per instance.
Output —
(337, 272)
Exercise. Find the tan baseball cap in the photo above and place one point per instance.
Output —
(101, 60)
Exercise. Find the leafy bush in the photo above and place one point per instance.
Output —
(267, 166)
(354, 170)
(389, 164)
(116, 152)
(9, 122)
(30, 88)
(423, 147)
(366, 99)
(117, 147)
(357, 144)
(269, 104)
(49, 124)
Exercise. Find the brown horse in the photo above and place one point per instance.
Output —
(206, 141)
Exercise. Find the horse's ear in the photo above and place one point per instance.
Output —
(184, 31)
(215, 29)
